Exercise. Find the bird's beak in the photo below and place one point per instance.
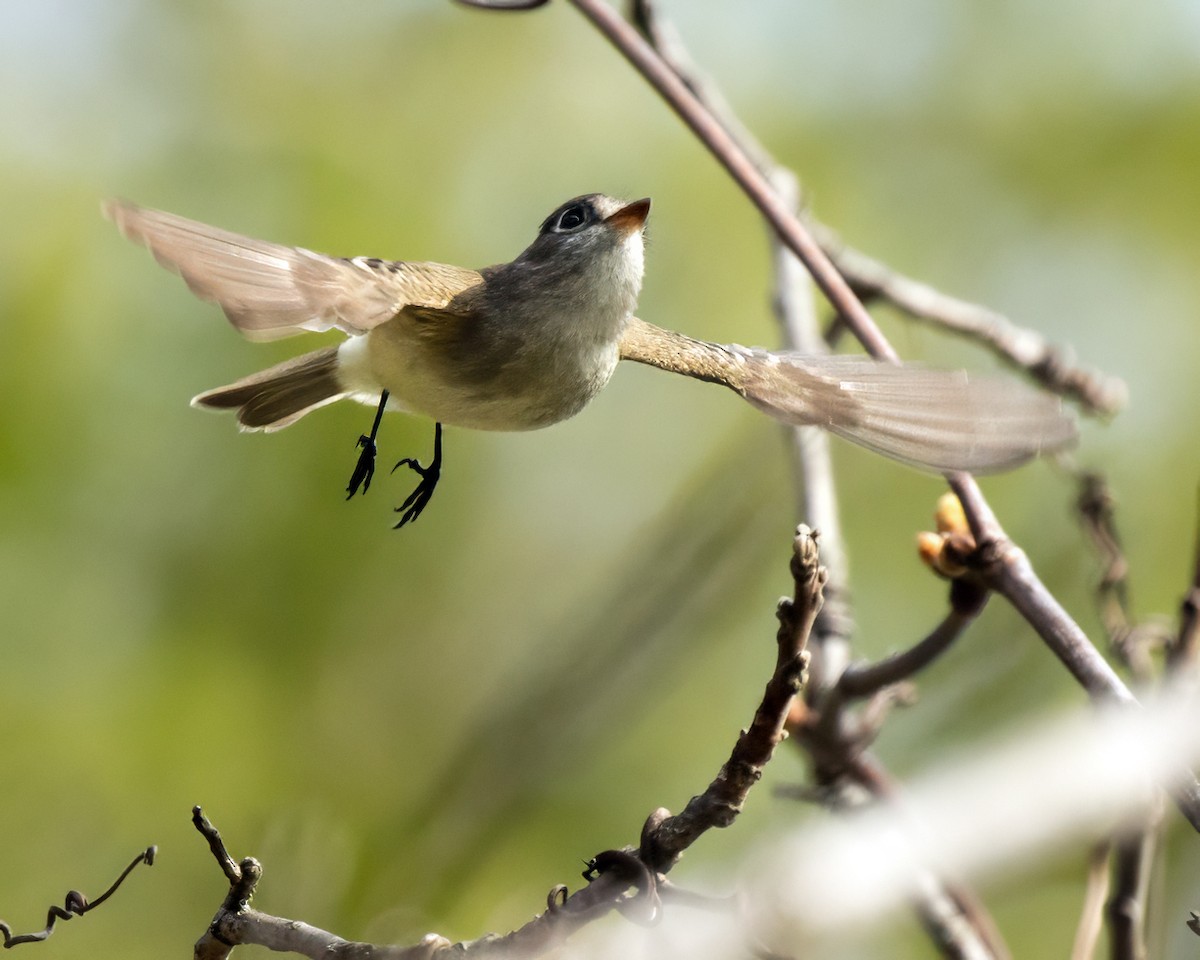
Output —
(630, 217)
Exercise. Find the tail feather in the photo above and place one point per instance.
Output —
(931, 419)
(281, 395)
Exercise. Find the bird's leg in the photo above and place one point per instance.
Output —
(364, 470)
(412, 507)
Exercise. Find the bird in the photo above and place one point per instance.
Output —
(528, 343)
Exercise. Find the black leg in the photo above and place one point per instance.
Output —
(417, 500)
(364, 470)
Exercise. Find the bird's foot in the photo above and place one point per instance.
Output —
(364, 470)
(417, 500)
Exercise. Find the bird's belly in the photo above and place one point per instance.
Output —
(517, 390)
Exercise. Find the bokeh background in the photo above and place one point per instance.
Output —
(427, 729)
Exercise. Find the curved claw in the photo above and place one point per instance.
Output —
(364, 470)
(416, 501)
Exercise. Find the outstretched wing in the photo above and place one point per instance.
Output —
(931, 419)
(937, 420)
(269, 291)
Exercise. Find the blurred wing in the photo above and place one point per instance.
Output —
(270, 291)
(932, 419)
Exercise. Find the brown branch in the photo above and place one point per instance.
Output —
(1133, 857)
(954, 918)
(1003, 567)
(722, 801)
(870, 279)
(1013, 576)
(611, 875)
(75, 904)
(795, 310)
(725, 149)
(1022, 348)
(1133, 643)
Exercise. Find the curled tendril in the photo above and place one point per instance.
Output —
(504, 4)
(75, 905)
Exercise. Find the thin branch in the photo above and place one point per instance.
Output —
(722, 801)
(1133, 857)
(864, 679)
(611, 875)
(74, 905)
(1022, 348)
(958, 924)
(1014, 577)
(1133, 643)
(795, 310)
(717, 139)
(870, 279)
(1003, 567)
(1087, 932)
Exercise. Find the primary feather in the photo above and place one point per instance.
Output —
(269, 291)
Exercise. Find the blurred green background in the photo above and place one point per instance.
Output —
(427, 729)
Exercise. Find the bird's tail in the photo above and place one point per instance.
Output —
(278, 397)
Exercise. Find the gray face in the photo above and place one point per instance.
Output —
(579, 277)
(575, 231)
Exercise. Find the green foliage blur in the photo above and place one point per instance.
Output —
(428, 729)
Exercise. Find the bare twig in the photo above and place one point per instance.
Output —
(870, 279)
(1012, 575)
(611, 874)
(722, 801)
(1003, 567)
(722, 145)
(1087, 932)
(1132, 642)
(958, 924)
(1133, 857)
(795, 310)
(74, 905)
(1023, 348)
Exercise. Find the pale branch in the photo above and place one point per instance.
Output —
(1009, 570)
(951, 913)
(1087, 931)
(75, 904)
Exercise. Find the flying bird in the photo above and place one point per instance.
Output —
(525, 344)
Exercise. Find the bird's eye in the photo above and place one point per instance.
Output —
(574, 217)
